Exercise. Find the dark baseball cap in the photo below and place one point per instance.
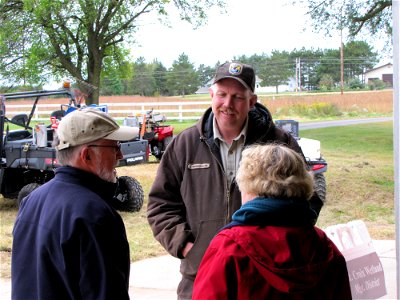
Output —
(236, 70)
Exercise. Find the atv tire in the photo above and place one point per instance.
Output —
(129, 196)
(320, 186)
(167, 141)
(162, 146)
(25, 191)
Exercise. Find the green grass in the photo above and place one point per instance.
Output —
(360, 177)
(360, 185)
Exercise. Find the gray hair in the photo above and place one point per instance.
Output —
(65, 156)
(274, 171)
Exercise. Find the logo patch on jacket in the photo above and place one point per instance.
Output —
(198, 166)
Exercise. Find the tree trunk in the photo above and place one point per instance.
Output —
(94, 71)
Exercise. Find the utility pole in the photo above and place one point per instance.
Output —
(341, 50)
(298, 75)
(341, 62)
(296, 79)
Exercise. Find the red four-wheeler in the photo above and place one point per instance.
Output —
(153, 129)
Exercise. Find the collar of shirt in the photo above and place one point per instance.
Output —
(218, 137)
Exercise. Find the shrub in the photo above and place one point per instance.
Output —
(376, 84)
(355, 84)
(312, 111)
(326, 82)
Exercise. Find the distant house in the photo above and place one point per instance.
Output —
(384, 73)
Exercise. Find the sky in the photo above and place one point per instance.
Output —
(248, 27)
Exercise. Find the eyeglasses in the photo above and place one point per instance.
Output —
(116, 147)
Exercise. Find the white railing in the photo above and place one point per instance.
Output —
(173, 110)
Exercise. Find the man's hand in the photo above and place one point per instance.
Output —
(187, 248)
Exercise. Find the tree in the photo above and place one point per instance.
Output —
(182, 78)
(116, 74)
(206, 74)
(160, 78)
(359, 57)
(277, 69)
(372, 15)
(142, 82)
(42, 38)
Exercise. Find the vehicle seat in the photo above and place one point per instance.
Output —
(17, 135)
(20, 119)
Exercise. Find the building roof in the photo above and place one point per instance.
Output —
(380, 67)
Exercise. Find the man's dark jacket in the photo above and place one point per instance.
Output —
(190, 199)
(69, 243)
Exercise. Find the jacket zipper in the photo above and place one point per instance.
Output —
(226, 186)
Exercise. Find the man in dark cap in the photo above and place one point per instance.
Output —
(195, 193)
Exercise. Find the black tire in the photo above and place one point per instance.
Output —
(129, 196)
(26, 190)
(166, 142)
(162, 146)
(320, 186)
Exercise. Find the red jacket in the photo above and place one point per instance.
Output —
(270, 262)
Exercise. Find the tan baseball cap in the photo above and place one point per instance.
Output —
(90, 124)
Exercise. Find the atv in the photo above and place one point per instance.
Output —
(153, 129)
(28, 158)
(312, 152)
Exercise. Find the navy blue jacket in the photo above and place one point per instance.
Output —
(69, 243)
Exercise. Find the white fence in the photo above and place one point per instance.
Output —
(190, 110)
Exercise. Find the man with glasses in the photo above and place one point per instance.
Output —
(69, 242)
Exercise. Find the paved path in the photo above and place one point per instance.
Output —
(323, 124)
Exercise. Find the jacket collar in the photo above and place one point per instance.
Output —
(104, 189)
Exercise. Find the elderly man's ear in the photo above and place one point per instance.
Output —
(84, 155)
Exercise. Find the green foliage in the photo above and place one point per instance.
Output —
(143, 83)
(355, 84)
(377, 84)
(326, 82)
(276, 69)
(375, 16)
(205, 74)
(183, 78)
(42, 37)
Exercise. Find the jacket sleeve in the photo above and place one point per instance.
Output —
(166, 211)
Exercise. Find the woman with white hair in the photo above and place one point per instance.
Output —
(272, 250)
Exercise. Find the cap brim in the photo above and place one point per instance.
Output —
(123, 133)
(236, 78)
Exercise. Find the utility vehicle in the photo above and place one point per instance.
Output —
(28, 159)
